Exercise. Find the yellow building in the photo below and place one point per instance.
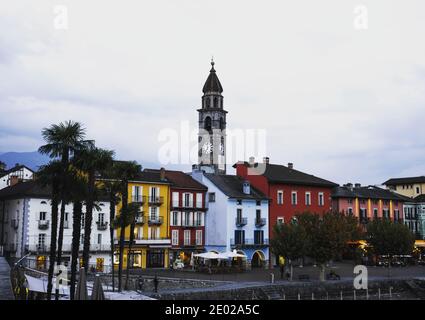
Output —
(152, 239)
(408, 187)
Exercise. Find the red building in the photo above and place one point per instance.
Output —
(187, 215)
(290, 191)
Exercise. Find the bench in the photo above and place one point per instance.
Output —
(303, 277)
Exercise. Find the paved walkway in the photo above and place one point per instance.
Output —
(5, 286)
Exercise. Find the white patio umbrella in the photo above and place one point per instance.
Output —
(234, 254)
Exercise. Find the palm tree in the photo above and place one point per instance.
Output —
(78, 193)
(132, 212)
(62, 141)
(92, 161)
(127, 170)
(111, 186)
(50, 175)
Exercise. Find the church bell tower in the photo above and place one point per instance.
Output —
(212, 127)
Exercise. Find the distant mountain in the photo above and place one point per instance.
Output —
(31, 159)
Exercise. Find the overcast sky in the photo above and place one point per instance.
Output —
(341, 102)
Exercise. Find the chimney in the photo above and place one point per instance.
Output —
(14, 180)
(251, 160)
(162, 173)
(246, 187)
(290, 165)
(357, 185)
(266, 160)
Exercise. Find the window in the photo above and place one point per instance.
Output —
(101, 217)
(211, 196)
(385, 213)
(350, 211)
(239, 236)
(280, 220)
(154, 194)
(186, 219)
(153, 233)
(188, 200)
(41, 240)
(199, 238)
(321, 199)
(175, 198)
(136, 193)
(198, 219)
(199, 200)
(307, 198)
(258, 236)
(239, 214)
(417, 190)
(175, 237)
(363, 215)
(42, 215)
(350, 201)
(294, 197)
(280, 197)
(396, 215)
(138, 233)
(239, 202)
(187, 237)
(258, 203)
(99, 238)
(375, 213)
(175, 218)
(153, 213)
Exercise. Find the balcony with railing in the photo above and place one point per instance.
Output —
(101, 225)
(191, 224)
(248, 242)
(139, 199)
(157, 201)
(240, 222)
(259, 222)
(155, 220)
(14, 223)
(37, 248)
(43, 224)
(140, 219)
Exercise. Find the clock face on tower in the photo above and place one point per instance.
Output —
(207, 147)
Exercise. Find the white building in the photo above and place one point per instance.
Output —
(25, 227)
(15, 174)
(237, 217)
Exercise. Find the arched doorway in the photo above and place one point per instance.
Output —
(258, 259)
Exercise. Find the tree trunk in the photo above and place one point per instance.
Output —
(322, 272)
(88, 220)
(122, 233)
(60, 236)
(111, 231)
(76, 234)
(129, 253)
(53, 239)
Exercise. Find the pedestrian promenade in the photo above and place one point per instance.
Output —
(5, 285)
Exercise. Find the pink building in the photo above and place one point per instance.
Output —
(368, 202)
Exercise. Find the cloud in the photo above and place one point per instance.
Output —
(340, 103)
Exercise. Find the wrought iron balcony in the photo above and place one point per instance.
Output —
(240, 222)
(138, 199)
(259, 222)
(43, 224)
(248, 242)
(101, 225)
(155, 220)
(156, 200)
(140, 219)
